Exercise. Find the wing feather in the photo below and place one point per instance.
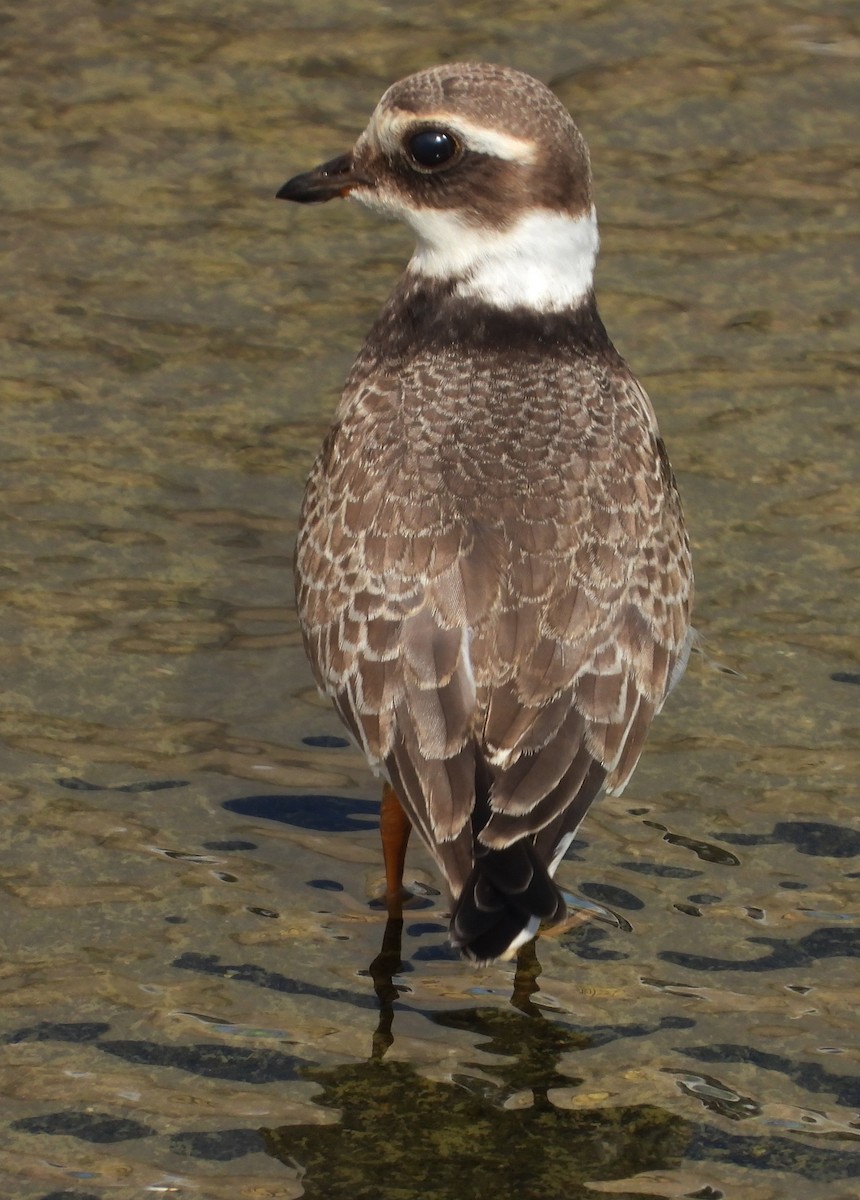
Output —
(513, 599)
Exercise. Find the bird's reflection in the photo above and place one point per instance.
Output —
(382, 971)
(400, 1134)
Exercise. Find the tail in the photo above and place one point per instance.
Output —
(507, 896)
(509, 892)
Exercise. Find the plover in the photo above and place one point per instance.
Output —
(493, 574)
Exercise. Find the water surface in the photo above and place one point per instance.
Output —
(188, 849)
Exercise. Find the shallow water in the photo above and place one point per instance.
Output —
(188, 850)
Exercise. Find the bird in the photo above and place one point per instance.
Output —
(493, 573)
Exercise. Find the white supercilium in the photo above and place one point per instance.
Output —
(390, 128)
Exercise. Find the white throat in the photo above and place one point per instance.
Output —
(544, 261)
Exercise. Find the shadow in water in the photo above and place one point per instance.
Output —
(400, 1135)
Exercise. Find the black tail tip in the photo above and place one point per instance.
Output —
(501, 909)
(499, 943)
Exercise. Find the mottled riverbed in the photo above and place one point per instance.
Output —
(196, 999)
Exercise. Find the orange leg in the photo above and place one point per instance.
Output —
(395, 829)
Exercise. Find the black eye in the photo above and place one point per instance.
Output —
(431, 147)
